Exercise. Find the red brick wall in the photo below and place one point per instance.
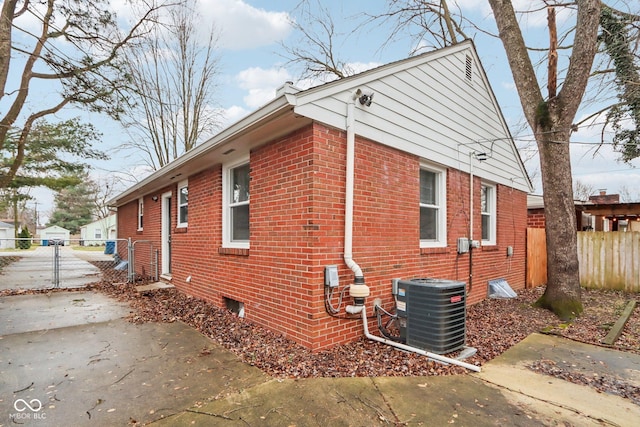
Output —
(148, 239)
(535, 218)
(297, 228)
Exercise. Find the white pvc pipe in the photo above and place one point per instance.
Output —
(348, 203)
(433, 356)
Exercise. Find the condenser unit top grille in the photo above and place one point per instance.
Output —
(436, 283)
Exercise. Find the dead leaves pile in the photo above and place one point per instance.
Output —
(493, 326)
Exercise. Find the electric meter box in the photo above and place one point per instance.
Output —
(432, 314)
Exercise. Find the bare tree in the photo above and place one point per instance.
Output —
(75, 49)
(628, 195)
(174, 78)
(431, 24)
(582, 190)
(315, 47)
(103, 190)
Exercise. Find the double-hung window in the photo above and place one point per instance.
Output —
(488, 212)
(433, 225)
(183, 203)
(235, 193)
(140, 213)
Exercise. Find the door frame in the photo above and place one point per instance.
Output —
(165, 235)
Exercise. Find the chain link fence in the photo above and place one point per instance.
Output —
(72, 263)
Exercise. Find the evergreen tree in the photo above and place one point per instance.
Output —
(25, 236)
(74, 205)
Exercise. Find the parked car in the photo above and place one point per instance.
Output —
(56, 242)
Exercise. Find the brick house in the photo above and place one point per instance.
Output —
(602, 212)
(375, 174)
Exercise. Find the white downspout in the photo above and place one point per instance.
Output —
(433, 356)
(470, 197)
(348, 203)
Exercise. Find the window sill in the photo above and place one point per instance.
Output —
(233, 251)
(139, 231)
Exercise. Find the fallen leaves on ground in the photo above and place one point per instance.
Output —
(492, 327)
(602, 383)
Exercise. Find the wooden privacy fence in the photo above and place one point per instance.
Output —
(536, 257)
(608, 260)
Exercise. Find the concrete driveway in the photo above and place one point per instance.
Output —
(35, 269)
(69, 358)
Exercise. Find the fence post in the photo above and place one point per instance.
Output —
(156, 266)
(130, 267)
(56, 265)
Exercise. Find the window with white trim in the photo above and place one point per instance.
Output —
(235, 193)
(140, 213)
(488, 212)
(433, 211)
(97, 234)
(183, 203)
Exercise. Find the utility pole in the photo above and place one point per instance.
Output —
(36, 218)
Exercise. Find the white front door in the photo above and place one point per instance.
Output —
(166, 235)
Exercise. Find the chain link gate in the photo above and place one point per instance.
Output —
(143, 265)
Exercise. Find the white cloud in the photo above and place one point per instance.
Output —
(261, 84)
(238, 24)
(243, 26)
(509, 85)
(233, 114)
(359, 67)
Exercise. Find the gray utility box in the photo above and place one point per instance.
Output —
(432, 314)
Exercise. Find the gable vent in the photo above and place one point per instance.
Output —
(468, 70)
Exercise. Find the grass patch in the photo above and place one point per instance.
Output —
(88, 248)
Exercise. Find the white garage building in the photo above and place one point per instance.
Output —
(7, 234)
(55, 232)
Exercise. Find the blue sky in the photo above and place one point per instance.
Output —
(252, 68)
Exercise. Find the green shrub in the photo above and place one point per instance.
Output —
(25, 239)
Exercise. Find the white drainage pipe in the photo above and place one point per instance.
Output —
(433, 356)
(349, 187)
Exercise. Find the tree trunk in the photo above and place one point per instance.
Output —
(551, 121)
(562, 294)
